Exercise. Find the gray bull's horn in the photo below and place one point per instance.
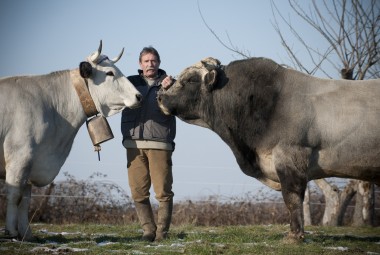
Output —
(96, 54)
(210, 63)
(114, 60)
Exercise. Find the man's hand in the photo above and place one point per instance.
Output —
(167, 82)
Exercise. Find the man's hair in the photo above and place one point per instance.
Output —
(150, 50)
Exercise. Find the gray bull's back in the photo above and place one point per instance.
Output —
(338, 119)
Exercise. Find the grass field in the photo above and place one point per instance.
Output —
(254, 239)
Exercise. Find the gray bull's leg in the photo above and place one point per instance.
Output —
(293, 192)
(291, 172)
(293, 201)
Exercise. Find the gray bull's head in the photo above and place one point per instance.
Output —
(109, 88)
(187, 96)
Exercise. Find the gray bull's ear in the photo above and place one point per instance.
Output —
(85, 69)
(210, 79)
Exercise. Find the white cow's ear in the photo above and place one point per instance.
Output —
(210, 79)
(85, 69)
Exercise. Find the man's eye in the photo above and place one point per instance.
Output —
(110, 73)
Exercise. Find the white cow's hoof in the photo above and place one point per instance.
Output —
(8, 235)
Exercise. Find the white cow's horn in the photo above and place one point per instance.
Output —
(114, 60)
(96, 54)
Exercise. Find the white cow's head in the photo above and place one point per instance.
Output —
(109, 88)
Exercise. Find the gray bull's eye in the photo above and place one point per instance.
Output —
(193, 79)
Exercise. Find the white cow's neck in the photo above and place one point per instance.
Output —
(83, 93)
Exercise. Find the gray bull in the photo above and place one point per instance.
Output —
(39, 118)
(284, 127)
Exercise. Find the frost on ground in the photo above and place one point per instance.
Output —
(46, 232)
(339, 248)
(62, 249)
(94, 240)
(105, 243)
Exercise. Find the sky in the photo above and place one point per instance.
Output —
(41, 36)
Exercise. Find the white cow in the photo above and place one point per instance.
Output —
(39, 118)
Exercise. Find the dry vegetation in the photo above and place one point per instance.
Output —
(91, 201)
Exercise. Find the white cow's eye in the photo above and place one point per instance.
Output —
(110, 73)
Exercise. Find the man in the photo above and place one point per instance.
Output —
(148, 136)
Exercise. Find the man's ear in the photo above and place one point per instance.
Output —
(85, 69)
(210, 79)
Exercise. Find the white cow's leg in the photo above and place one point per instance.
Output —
(24, 230)
(13, 199)
(15, 179)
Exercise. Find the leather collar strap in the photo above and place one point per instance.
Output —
(80, 85)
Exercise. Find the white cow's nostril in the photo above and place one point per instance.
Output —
(139, 97)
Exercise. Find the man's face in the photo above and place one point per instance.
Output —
(149, 64)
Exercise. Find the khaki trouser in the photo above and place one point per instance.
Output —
(147, 167)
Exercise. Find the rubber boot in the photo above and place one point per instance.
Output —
(165, 210)
(146, 218)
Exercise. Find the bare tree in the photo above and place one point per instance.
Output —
(306, 208)
(351, 30)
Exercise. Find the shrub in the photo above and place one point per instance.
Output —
(104, 202)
